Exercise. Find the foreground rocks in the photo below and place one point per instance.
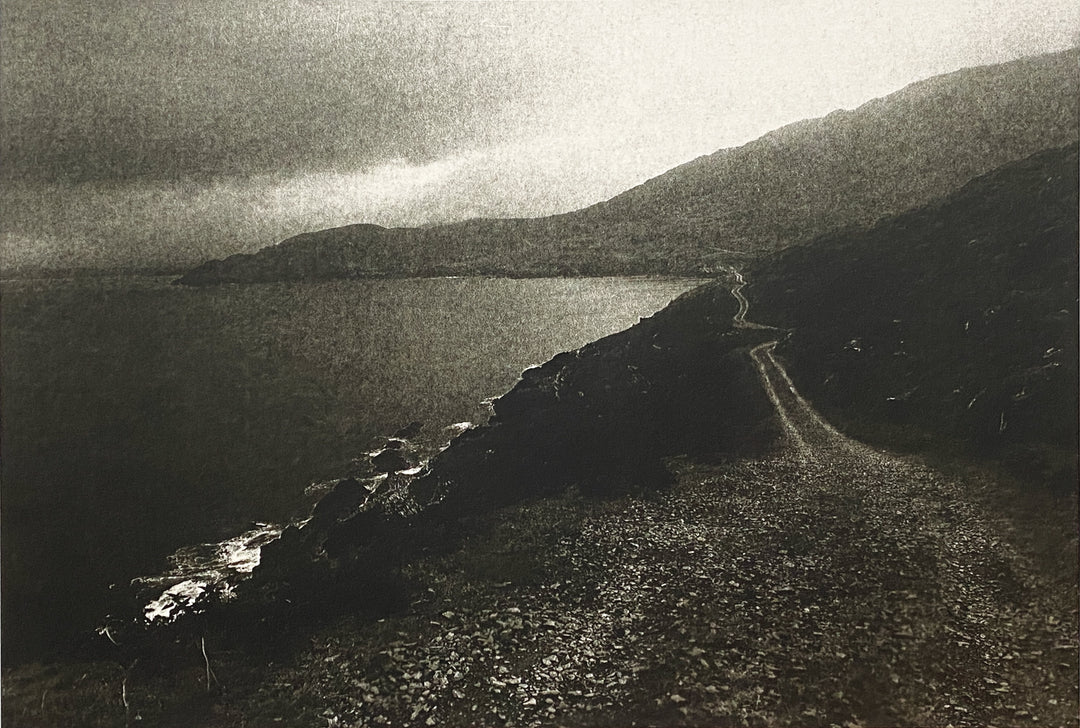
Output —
(600, 419)
(763, 593)
(824, 583)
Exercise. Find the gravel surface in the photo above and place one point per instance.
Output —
(828, 584)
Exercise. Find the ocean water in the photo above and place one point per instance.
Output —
(139, 416)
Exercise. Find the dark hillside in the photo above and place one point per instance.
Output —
(789, 186)
(852, 167)
(604, 417)
(601, 419)
(951, 325)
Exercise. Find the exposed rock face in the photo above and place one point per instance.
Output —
(391, 460)
(345, 497)
(601, 418)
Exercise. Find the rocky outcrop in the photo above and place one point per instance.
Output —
(601, 419)
(391, 460)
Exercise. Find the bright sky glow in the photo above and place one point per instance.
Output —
(171, 132)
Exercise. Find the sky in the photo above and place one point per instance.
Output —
(167, 132)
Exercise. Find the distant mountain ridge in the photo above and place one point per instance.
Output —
(785, 188)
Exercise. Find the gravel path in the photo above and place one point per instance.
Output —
(828, 584)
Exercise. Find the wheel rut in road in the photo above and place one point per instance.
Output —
(826, 583)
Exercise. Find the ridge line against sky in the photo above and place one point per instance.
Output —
(154, 133)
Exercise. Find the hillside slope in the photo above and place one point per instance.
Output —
(953, 325)
(785, 575)
(848, 168)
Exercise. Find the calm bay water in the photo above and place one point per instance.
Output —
(139, 416)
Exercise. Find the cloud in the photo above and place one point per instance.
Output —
(181, 222)
(156, 90)
(171, 132)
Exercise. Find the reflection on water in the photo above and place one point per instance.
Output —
(195, 569)
(139, 416)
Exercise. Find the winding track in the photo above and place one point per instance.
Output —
(806, 430)
(976, 575)
(825, 583)
(739, 319)
(740, 316)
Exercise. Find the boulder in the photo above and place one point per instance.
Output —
(341, 502)
(391, 460)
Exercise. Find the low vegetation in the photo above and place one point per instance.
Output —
(950, 328)
(643, 535)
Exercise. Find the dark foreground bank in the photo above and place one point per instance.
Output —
(661, 529)
(821, 582)
(600, 420)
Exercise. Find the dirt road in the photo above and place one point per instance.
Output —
(829, 583)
